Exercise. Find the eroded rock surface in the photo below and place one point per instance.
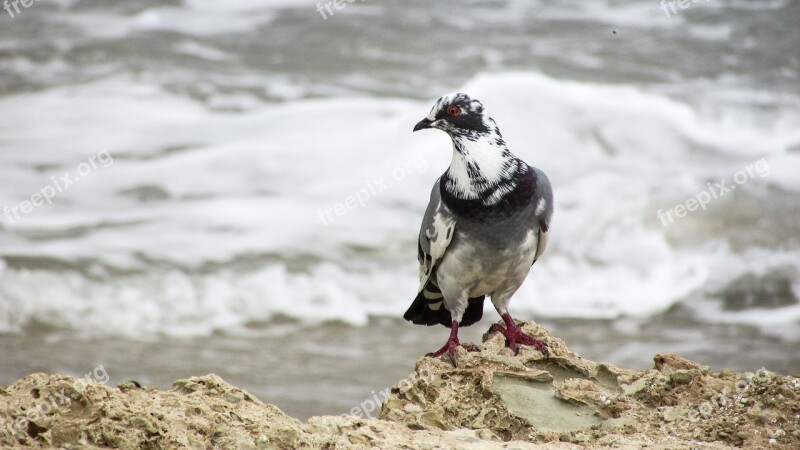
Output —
(493, 399)
(678, 404)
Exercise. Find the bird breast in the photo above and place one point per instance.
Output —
(481, 267)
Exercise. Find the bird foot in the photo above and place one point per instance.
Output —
(515, 336)
(450, 348)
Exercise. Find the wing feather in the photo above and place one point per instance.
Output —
(435, 235)
(543, 211)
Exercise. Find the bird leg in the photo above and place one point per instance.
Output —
(515, 336)
(452, 343)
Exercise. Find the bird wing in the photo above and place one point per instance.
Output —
(435, 234)
(543, 211)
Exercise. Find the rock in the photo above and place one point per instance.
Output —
(129, 385)
(635, 387)
(493, 400)
(682, 376)
(540, 404)
(622, 422)
(674, 414)
(670, 362)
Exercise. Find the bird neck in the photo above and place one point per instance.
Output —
(482, 168)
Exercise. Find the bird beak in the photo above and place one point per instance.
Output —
(424, 123)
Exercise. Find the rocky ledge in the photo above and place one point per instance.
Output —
(493, 399)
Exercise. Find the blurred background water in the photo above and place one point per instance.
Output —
(194, 153)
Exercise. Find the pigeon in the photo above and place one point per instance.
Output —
(486, 224)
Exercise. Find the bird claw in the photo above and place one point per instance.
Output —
(471, 347)
(450, 348)
(515, 336)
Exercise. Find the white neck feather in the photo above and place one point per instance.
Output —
(480, 165)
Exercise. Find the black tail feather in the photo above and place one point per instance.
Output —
(420, 312)
(474, 311)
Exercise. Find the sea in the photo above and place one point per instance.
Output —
(196, 186)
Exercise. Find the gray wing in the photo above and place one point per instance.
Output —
(435, 235)
(543, 211)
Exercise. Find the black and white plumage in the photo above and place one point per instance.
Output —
(486, 224)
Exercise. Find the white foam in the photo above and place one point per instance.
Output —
(201, 51)
(175, 303)
(253, 186)
(195, 17)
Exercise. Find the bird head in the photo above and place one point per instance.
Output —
(482, 166)
(459, 116)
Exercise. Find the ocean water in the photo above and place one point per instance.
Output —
(195, 175)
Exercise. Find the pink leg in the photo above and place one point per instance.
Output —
(451, 345)
(515, 336)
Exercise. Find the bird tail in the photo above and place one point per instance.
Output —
(429, 309)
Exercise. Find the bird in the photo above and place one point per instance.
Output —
(487, 223)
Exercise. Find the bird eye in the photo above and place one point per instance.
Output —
(453, 110)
